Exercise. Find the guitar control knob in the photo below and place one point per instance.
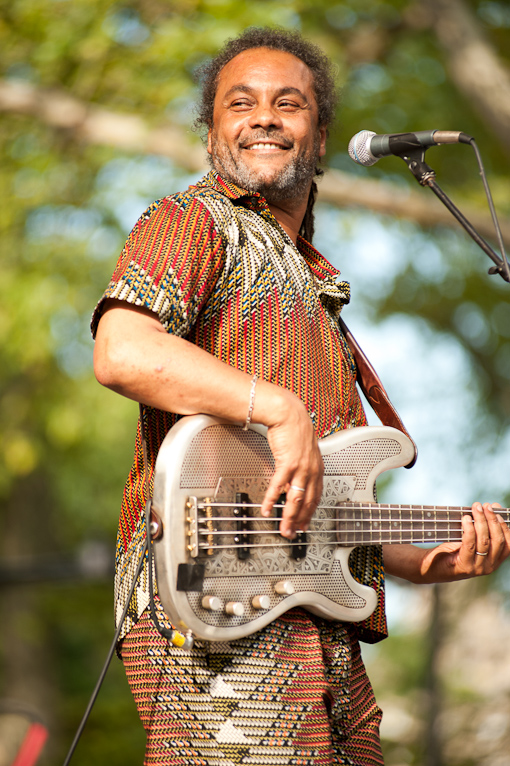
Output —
(260, 602)
(235, 608)
(212, 603)
(284, 588)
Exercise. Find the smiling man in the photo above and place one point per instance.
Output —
(265, 135)
(219, 304)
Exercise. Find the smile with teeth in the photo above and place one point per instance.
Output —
(262, 146)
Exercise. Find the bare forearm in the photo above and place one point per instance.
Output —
(405, 561)
(135, 357)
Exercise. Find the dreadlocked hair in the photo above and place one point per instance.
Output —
(287, 41)
(307, 229)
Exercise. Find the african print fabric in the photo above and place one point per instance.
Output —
(216, 267)
(294, 694)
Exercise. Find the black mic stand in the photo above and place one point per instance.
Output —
(425, 176)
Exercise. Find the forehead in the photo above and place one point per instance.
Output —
(265, 69)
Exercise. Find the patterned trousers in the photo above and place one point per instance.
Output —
(294, 694)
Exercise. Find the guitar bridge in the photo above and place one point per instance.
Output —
(192, 526)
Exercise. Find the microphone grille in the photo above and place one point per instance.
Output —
(358, 148)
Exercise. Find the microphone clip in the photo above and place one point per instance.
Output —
(415, 161)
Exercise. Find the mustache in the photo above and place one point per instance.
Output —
(264, 135)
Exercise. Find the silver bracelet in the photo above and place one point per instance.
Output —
(252, 402)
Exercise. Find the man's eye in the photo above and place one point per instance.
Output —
(240, 104)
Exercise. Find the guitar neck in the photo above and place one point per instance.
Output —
(378, 523)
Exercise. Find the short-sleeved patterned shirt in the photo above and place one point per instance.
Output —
(216, 267)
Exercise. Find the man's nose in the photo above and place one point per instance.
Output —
(265, 115)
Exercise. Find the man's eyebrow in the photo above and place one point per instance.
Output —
(289, 90)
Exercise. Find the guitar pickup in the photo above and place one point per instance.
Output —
(242, 514)
(298, 546)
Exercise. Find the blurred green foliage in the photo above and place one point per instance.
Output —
(66, 208)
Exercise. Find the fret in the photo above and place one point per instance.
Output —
(441, 520)
(366, 534)
(406, 530)
(387, 537)
(377, 524)
(344, 535)
(429, 522)
(395, 526)
(419, 525)
(358, 526)
(353, 525)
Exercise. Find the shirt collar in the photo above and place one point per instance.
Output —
(214, 181)
(319, 266)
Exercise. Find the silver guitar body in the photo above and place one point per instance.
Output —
(205, 457)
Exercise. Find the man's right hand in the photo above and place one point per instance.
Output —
(298, 463)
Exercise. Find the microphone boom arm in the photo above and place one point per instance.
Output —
(425, 176)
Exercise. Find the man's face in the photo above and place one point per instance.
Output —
(265, 135)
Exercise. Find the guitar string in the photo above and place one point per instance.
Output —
(347, 505)
(349, 544)
(419, 534)
(371, 526)
(373, 522)
(368, 526)
(331, 530)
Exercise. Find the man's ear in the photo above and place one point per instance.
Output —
(322, 140)
(209, 140)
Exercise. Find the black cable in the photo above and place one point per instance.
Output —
(176, 638)
(173, 636)
(425, 176)
(108, 659)
(492, 209)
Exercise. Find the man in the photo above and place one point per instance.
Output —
(219, 306)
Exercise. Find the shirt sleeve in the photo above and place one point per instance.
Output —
(170, 264)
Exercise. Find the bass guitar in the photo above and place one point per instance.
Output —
(224, 571)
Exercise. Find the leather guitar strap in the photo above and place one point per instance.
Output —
(373, 389)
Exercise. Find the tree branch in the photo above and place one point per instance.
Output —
(473, 64)
(95, 125)
(420, 206)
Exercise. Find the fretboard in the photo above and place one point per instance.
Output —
(374, 523)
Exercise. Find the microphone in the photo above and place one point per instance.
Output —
(366, 147)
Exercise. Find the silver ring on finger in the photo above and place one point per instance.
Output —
(479, 553)
(297, 489)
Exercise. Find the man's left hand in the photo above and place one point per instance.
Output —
(485, 545)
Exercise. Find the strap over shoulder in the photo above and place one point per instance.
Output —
(373, 389)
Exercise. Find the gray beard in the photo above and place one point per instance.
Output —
(293, 180)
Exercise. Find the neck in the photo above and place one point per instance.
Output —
(288, 211)
(379, 523)
(289, 214)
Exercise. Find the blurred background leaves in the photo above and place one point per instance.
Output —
(96, 103)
